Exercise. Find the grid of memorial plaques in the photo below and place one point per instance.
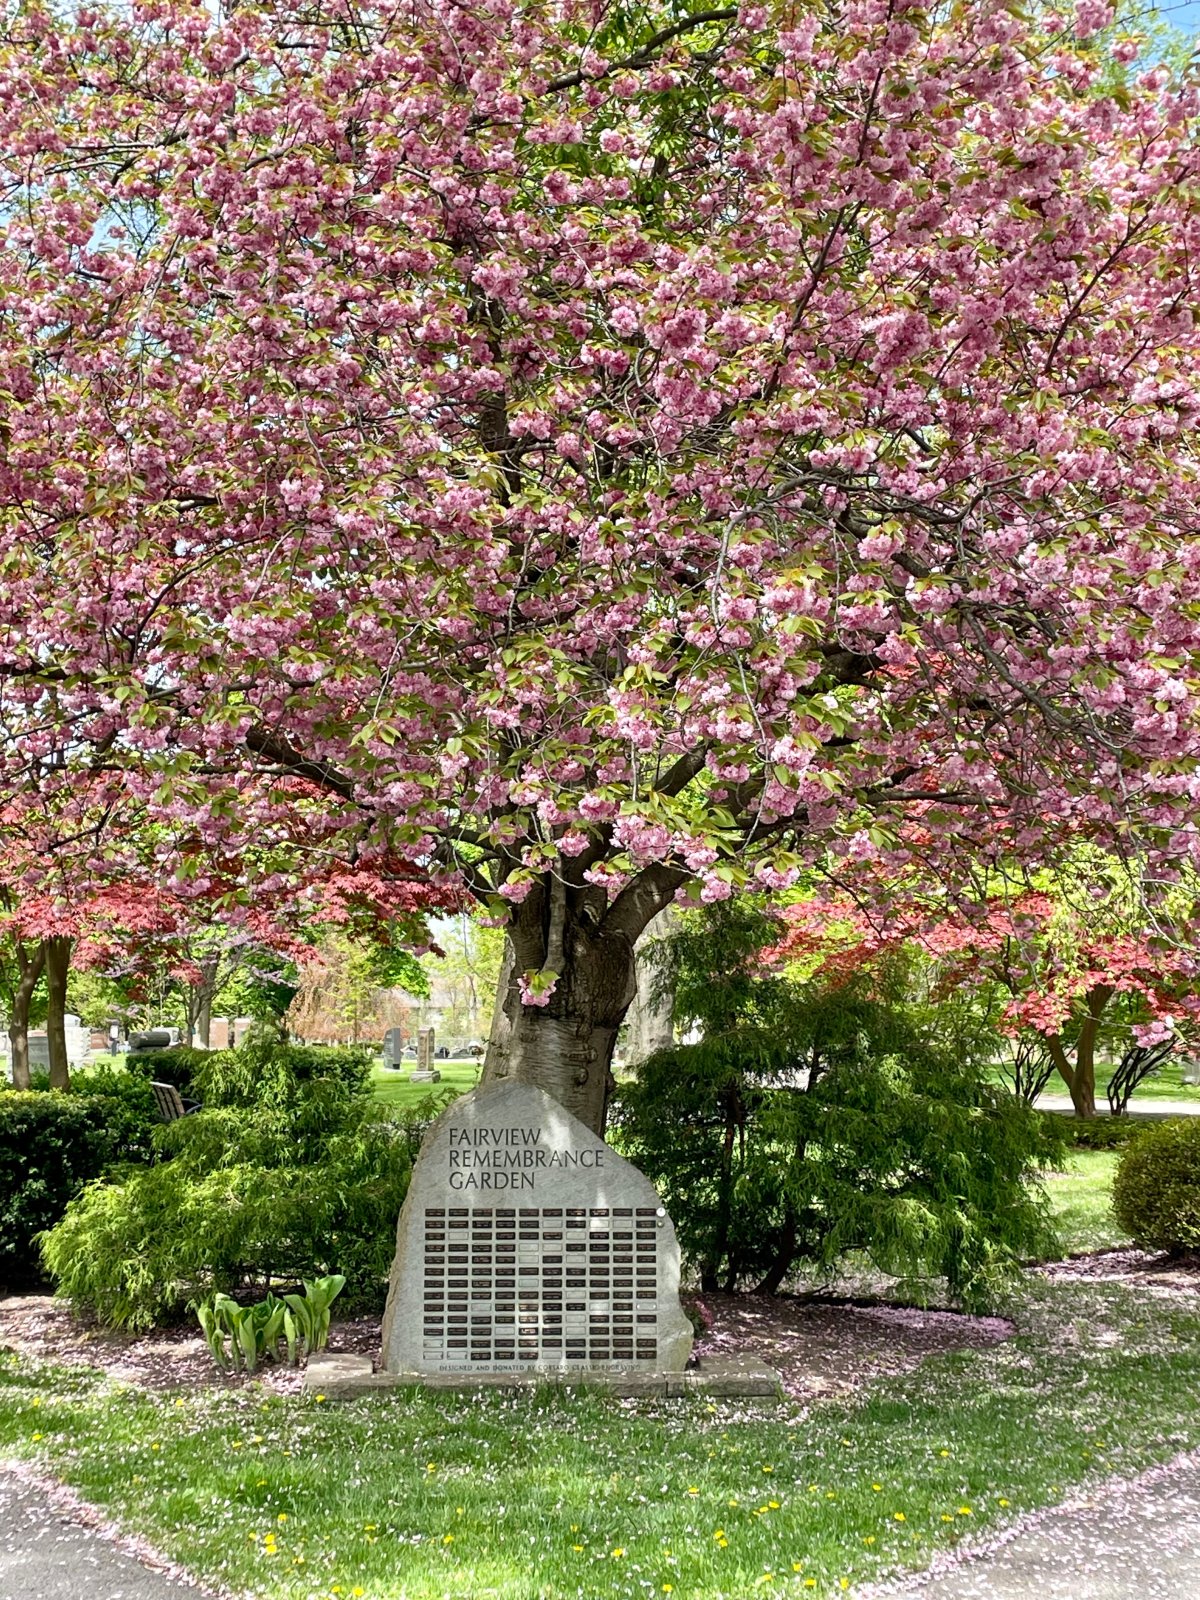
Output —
(544, 1285)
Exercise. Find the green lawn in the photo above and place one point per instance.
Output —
(419, 1496)
(1167, 1084)
(394, 1089)
(1081, 1200)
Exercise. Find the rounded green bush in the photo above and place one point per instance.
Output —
(1156, 1192)
(51, 1146)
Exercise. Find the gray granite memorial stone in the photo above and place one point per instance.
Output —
(425, 1071)
(527, 1246)
(393, 1047)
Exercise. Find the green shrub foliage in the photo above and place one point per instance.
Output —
(813, 1123)
(1156, 1191)
(244, 1197)
(51, 1145)
(265, 1071)
(177, 1064)
(1105, 1133)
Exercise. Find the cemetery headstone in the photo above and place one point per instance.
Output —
(425, 1071)
(393, 1047)
(526, 1245)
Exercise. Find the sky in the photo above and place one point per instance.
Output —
(1182, 14)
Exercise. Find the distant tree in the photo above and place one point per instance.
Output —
(1094, 957)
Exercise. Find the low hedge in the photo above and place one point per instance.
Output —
(1099, 1133)
(51, 1146)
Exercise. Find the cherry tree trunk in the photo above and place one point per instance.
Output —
(565, 1046)
(204, 1019)
(29, 968)
(58, 964)
(650, 1021)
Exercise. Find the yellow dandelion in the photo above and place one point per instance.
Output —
(282, 1516)
(943, 1453)
(578, 1549)
(718, 1533)
(447, 1538)
(768, 1469)
(946, 1517)
(870, 1539)
(1001, 1502)
(964, 1511)
(898, 1516)
(358, 1592)
(772, 1505)
(693, 1491)
(320, 1399)
(878, 1488)
(797, 1566)
(667, 1588)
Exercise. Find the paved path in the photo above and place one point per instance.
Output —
(1137, 1542)
(1147, 1108)
(46, 1555)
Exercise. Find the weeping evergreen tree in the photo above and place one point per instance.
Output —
(811, 1121)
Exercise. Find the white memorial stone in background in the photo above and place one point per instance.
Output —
(425, 1071)
(526, 1245)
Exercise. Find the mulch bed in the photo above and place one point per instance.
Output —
(830, 1347)
(1144, 1269)
(819, 1348)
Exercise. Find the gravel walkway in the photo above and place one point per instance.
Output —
(1137, 1541)
(47, 1552)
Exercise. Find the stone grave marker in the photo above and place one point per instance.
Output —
(393, 1047)
(425, 1071)
(527, 1246)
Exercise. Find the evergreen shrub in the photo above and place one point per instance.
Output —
(51, 1145)
(246, 1197)
(1099, 1133)
(176, 1064)
(814, 1123)
(1156, 1191)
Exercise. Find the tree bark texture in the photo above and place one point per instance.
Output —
(58, 964)
(1080, 1075)
(566, 1046)
(650, 1025)
(204, 1020)
(29, 967)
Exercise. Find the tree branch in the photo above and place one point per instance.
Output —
(646, 52)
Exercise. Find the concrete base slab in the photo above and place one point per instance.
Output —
(336, 1376)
